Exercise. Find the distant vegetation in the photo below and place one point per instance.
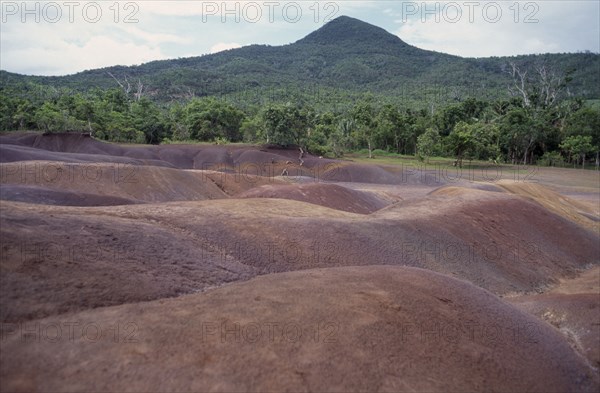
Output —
(346, 87)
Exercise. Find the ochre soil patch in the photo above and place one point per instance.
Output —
(574, 210)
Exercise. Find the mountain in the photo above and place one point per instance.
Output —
(345, 57)
(346, 30)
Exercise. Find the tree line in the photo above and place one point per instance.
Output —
(534, 126)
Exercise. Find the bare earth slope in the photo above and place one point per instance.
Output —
(180, 247)
(375, 328)
(574, 210)
(328, 195)
(573, 307)
(248, 160)
(245, 268)
(136, 183)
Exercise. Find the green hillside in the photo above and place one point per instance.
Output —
(347, 87)
(344, 58)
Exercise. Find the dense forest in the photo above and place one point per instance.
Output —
(348, 86)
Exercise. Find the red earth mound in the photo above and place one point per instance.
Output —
(496, 240)
(328, 195)
(89, 257)
(569, 208)
(361, 173)
(200, 156)
(101, 183)
(49, 196)
(235, 183)
(267, 161)
(75, 143)
(184, 219)
(14, 153)
(376, 328)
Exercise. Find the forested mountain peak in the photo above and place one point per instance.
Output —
(347, 86)
(345, 30)
(342, 60)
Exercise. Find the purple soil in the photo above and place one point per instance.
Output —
(521, 251)
(328, 195)
(48, 196)
(67, 183)
(265, 160)
(126, 251)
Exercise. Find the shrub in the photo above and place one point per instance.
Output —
(551, 158)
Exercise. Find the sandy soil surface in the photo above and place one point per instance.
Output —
(169, 258)
(376, 328)
(573, 307)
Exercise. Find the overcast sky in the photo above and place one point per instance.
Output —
(65, 37)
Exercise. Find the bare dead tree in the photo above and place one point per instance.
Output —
(300, 157)
(520, 83)
(550, 85)
(127, 88)
(544, 88)
(139, 91)
(190, 93)
(541, 88)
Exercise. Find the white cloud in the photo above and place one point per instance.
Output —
(68, 47)
(210, 8)
(473, 33)
(153, 38)
(171, 29)
(221, 46)
(60, 58)
(172, 8)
